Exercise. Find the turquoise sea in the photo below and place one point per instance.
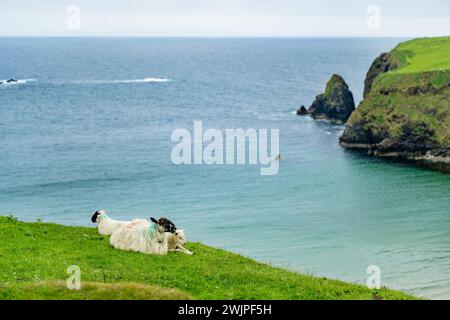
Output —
(89, 126)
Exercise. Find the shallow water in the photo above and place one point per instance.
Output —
(93, 131)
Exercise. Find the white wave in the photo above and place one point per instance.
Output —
(123, 81)
(141, 80)
(157, 80)
(17, 81)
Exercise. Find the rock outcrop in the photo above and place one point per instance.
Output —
(336, 104)
(381, 65)
(302, 111)
(405, 112)
(9, 81)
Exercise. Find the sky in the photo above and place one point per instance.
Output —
(225, 18)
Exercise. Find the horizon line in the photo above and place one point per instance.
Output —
(217, 37)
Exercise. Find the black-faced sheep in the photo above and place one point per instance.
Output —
(144, 236)
(105, 224)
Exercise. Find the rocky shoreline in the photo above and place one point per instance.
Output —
(438, 160)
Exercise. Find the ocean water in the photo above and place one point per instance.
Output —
(89, 127)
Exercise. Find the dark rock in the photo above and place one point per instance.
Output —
(380, 65)
(416, 139)
(336, 104)
(302, 111)
(357, 134)
(362, 135)
(9, 81)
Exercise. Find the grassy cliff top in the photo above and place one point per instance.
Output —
(34, 258)
(424, 54)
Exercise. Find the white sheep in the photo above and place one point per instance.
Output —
(177, 241)
(143, 236)
(106, 225)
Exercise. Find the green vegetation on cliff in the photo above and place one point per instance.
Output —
(423, 55)
(34, 258)
(406, 109)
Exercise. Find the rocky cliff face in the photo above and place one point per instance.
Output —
(403, 114)
(381, 65)
(336, 104)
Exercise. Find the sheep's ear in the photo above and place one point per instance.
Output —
(95, 216)
(153, 220)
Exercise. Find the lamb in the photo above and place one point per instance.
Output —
(144, 236)
(177, 241)
(106, 225)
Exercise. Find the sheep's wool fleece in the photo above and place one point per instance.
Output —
(107, 226)
(140, 236)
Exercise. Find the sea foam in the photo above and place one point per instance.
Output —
(130, 80)
(18, 81)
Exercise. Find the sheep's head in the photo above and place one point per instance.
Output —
(164, 225)
(181, 238)
(94, 218)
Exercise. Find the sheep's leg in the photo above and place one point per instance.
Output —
(176, 250)
(184, 250)
(180, 248)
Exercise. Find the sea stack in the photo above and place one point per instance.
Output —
(336, 104)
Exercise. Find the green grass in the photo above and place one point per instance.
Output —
(34, 258)
(425, 54)
(51, 290)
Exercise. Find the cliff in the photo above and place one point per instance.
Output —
(405, 112)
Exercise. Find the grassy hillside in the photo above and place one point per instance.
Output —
(422, 55)
(50, 290)
(407, 109)
(34, 258)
